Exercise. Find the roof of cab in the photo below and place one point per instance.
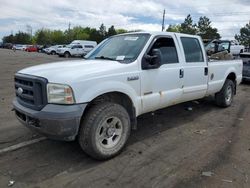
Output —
(155, 33)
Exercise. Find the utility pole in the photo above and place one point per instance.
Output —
(69, 37)
(29, 31)
(163, 21)
(69, 26)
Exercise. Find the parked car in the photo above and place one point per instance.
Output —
(41, 48)
(53, 49)
(84, 42)
(31, 48)
(71, 50)
(74, 50)
(1, 44)
(8, 45)
(246, 65)
(97, 100)
(77, 48)
(19, 47)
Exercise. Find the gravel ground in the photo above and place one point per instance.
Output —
(172, 147)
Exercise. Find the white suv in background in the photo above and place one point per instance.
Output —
(75, 50)
(52, 50)
(71, 50)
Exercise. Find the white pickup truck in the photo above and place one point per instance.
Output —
(97, 100)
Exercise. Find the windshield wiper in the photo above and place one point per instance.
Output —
(103, 57)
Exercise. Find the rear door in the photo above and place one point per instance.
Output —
(88, 48)
(80, 50)
(195, 70)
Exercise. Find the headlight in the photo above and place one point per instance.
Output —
(60, 94)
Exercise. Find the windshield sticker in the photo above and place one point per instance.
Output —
(131, 38)
(120, 58)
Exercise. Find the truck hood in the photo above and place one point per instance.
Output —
(76, 70)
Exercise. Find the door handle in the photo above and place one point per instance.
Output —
(181, 73)
(206, 71)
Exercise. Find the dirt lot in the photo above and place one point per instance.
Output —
(171, 148)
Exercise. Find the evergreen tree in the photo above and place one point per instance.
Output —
(205, 30)
(174, 28)
(111, 31)
(187, 26)
(244, 36)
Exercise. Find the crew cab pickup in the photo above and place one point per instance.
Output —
(97, 100)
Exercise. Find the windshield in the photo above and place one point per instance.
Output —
(122, 48)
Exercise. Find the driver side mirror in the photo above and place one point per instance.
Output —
(152, 61)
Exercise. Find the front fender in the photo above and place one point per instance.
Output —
(95, 90)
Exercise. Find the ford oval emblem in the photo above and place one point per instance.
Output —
(20, 91)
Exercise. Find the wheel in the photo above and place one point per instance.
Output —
(67, 54)
(104, 130)
(53, 53)
(224, 98)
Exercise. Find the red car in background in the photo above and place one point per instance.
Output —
(31, 49)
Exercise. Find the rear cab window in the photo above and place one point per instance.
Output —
(192, 50)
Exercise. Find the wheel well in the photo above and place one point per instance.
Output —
(119, 98)
(232, 77)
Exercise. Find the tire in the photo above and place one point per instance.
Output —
(224, 98)
(104, 130)
(66, 54)
(53, 53)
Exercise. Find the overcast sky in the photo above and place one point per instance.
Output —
(227, 15)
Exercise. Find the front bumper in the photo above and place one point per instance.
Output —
(59, 122)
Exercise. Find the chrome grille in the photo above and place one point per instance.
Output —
(31, 91)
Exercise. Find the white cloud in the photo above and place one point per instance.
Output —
(227, 16)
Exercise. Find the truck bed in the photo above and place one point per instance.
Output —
(217, 73)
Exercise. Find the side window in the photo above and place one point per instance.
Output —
(88, 46)
(74, 47)
(167, 48)
(79, 46)
(192, 50)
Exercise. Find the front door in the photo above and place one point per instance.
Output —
(162, 87)
(74, 50)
